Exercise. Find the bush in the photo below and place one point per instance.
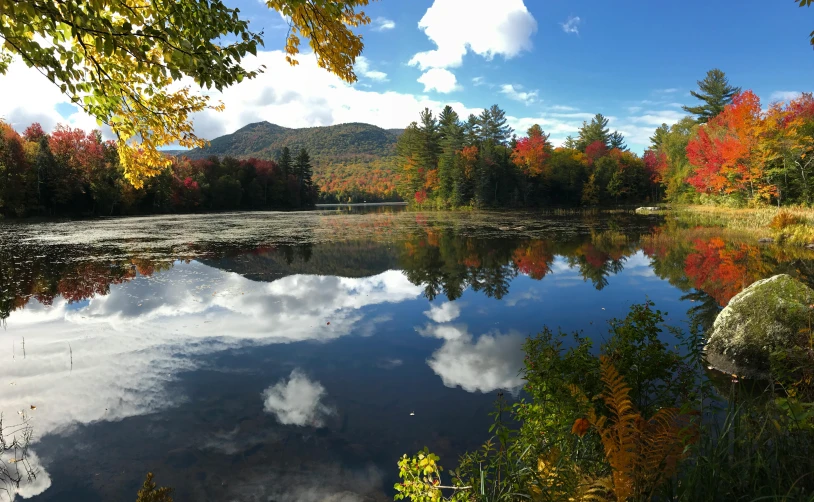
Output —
(785, 219)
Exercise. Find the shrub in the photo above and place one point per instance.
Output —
(785, 219)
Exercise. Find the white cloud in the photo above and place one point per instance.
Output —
(297, 401)
(574, 115)
(308, 96)
(477, 81)
(440, 80)
(383, 24)
(634, 109)
(484, 27)
(571, 25)
(443, 331)
(447, 312)
(515, 93)
(563, 108)
(670, 90)
(36, 100)
(656, 118)
(785, 95)
(491, 362)
(362, 68)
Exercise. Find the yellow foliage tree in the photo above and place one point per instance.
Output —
(121, 60)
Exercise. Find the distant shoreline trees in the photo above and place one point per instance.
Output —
(447, 162)
(73, 173)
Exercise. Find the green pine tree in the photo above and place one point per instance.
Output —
(596, 130)
(617, 140)
(285, 162)
(472, 131)
(304, 173)
(659, 136)
(428, 155)
(715, 92)
(451, 141)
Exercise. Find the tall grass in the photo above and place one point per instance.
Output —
(788, 225)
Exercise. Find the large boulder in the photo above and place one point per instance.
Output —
(771, 314)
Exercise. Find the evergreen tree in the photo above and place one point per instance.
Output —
(285, 162)
(715, 92)
(659, 136)
(451, 141)
(570, 143)
(428, 156)
(472, 130)
(304, 173)
(617, 140)
(46, 166)
(494, 126)
(408, 149)
(596, 130)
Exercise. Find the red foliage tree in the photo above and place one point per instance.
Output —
(531, 154)
(596, 151)
(34, 132)
(656, 164)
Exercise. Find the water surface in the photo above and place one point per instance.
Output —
(296, 356)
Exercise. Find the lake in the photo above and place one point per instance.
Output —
(296, 356)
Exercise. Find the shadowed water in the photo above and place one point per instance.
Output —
(296, 356)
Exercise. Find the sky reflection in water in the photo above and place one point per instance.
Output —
(280, 356)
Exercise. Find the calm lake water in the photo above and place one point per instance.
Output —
(296, 356)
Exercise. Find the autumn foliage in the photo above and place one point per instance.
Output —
(745, 154)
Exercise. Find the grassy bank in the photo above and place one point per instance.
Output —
(788, 225)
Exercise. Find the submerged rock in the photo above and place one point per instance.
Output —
(766, 240)
(769, 315)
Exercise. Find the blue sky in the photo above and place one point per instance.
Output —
(549, 62)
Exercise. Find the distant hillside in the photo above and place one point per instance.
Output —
(352, 162)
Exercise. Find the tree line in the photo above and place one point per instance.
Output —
(73, 173)
(732, 152)
(448, 162)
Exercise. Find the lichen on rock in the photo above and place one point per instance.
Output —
(772, 314)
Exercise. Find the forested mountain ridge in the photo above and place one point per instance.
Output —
(266, 140)
(352, 161)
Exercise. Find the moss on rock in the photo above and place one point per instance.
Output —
(770, 315)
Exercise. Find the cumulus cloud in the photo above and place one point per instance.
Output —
(478, 81)
(447, 312)
(307, 96)
(36, 99)
(364, 70)
(784, 95)
(517, 94)
(297, 401)
(491, 362)
(443, 331)
(571, 25)
(484, 27)
(440, 80)
(383, 24)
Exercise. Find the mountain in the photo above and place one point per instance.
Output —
(352, 162)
